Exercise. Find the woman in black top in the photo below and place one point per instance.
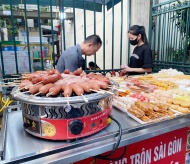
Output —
(141, 59)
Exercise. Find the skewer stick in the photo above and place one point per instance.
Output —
(17, 81)
(16, 90)
(25, 92)
(11, 78)
(22, 92)
(97, 91)
(25, 87)
(11, 83)
(109, 86)
(68, 107)
(38, 83)
(26, 73)
(48, 94)
(68, 100)
(15, 75)
(8, 85)
(37, 94)
(119, 89)
(84, 98)
(107, 91)
(30, 96)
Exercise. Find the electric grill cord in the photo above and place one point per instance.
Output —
(105, 157)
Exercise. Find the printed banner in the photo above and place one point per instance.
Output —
(169, 148)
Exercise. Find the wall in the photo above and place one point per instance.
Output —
(139, 15)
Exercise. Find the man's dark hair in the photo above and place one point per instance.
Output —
(95, 39)
(92, 64)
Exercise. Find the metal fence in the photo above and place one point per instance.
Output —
(170, 35)
(44, 10)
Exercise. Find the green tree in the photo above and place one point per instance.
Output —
(11, 31)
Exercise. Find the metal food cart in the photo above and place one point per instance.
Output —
(17, 146)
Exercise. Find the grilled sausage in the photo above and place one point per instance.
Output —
(98, 77)
(60, 82)
(50, 72)
(79, 70)
(55, 71)
(69, 75)
(35, 89)
(87, 88)
(103, 85)
(76, 72)
(25, 84)
(102, 78)
(45, 89)
(66, 71)
(67, 90)
(83, 74)
(55, 90)
(51, 78)
(77, 89)
(94, 86)
(36, 80)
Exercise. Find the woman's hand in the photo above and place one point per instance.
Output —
(126, 68)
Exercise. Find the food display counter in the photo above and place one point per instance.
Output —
(147, 122)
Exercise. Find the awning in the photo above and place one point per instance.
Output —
(47, 32)
(89, 4)
(107, 2)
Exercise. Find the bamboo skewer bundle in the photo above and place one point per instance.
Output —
(9, 84)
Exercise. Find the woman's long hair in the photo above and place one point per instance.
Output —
(136, 30)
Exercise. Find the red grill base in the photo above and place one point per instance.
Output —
(66, 129)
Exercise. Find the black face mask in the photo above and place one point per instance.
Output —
(133, 42)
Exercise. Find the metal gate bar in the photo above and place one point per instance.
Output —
(82, 4)
(169, 35)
